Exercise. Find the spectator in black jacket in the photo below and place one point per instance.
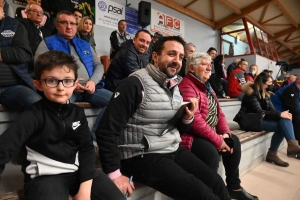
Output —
(155, 37)
(118, 37)
(14, 55)
(36, 33)
(288, 98)
(232, 66)
(257, 100)
(131, 57)
(189, 48)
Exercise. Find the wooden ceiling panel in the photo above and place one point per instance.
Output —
(257, 14)
(205, 8)
(242, 3)
(221, 11)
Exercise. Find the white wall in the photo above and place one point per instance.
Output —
(196, 32)
(239, 48)
(261, 62)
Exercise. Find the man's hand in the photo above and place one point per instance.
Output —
(191, 109)
(90, 86)
(122, 182)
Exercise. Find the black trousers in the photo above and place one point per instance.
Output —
(296, 125)
(179, 175)
(208, 153)
(59, 187)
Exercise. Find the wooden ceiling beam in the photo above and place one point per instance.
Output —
(212, 10)
(264, 13)
(277, 24)
(192, 2)
(286, 13)
(272, 19)
(248, 9)
(286, 39)
(288, 50)
(293, 38)
(173, 5)
(294, 60)
(231, 6)
(285, 32)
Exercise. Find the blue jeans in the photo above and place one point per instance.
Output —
(282, 128)
(18, 97)
(99, 98)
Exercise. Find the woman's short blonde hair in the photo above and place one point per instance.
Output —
(195, 58)
(80, 26)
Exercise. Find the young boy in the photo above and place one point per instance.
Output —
(60, 157)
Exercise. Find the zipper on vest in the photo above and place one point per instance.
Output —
(142, 156)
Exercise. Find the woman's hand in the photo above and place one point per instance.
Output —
(286, 115)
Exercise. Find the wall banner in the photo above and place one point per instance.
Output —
(109, 13)
(167, 24)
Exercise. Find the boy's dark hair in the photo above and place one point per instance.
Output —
(142, 30)
(159, 45)
(211, 49)
(80, 11)
(54, 59)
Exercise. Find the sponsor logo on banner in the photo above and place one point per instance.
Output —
(102, 6)
(167, 24)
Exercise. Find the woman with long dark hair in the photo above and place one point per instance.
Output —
(221, 75)
(257, 100)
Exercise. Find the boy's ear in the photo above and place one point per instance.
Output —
(38, 85)
(76, 83)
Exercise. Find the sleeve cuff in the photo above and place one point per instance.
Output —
(187, 121)
(115, 174)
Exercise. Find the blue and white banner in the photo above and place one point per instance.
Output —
(109, 13)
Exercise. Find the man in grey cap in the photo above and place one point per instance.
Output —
(155, 37)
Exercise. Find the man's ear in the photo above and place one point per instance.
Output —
(38, 85)
(154, 57)
(76, 83)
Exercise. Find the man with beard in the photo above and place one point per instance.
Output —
(131, 57)
(135, 128)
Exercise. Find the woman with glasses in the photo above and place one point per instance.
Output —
(7, 8)
(257, 100)
(209, 131)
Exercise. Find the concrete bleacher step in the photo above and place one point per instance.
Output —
(254, 146)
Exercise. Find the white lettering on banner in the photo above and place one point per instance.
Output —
(167, 24)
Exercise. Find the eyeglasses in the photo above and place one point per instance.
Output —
(205, 64)
(53, 82)
(65, 23)
(36, 11)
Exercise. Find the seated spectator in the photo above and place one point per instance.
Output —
(189, 48)
(78, 15)
(257, 100)
(22, 12)
(60, 158)
(134, 129)
(288, 98)
(214, 79)
(85, 31)
(7, 8)
(35, 33)
(90, 70)
(232, 66)
(220, 76)
(282, 76)
(236, 80)
(131, 57)
(250, 77)
(118, 37)
(290, 79)
(16, 85)
(155, 37)
(206, 136)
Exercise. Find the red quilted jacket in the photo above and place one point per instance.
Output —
(190, 87)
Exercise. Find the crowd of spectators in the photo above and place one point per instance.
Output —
(139, 95)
